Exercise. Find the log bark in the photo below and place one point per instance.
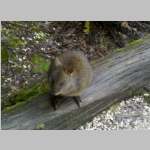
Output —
(114, 77)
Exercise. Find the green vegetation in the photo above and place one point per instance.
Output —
(147, 97)
(15, 37)
(139, 92)
(18, 35)
(13, 107)
(134, 43)
(40, 64)
(114, 107)
(11, 40)
(87, 27)
(40, 126)
(135, 92)
(27, 94)
(4, 55)
(130, 45)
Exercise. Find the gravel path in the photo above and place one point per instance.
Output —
(133, 113)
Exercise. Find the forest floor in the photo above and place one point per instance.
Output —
(26, 46)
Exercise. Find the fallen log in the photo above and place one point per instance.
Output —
(114, 77)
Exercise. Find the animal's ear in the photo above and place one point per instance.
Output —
(57, 62)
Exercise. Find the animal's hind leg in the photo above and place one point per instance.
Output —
(77, 100)
(54, 100)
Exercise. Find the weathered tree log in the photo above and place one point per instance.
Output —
(114, 77)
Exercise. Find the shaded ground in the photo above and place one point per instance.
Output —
(26, 46)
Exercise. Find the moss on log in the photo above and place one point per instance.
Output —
(39, 87)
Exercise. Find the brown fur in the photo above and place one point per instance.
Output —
(70, 74)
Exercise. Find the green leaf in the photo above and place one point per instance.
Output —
(40, 64)
(4, 55)
(87, 27)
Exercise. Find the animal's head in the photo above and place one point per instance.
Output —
(63, 80)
